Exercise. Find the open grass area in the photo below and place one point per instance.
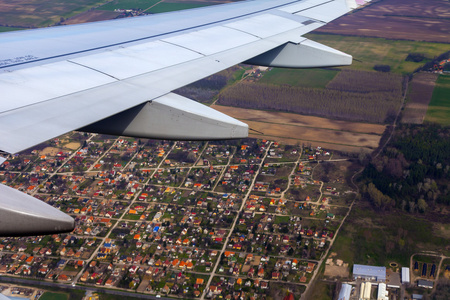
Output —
(146, 4)
(128, 4)
(54, 296)
(5, 29)
(314, 78)
(372, 51)
(166, 7)
(378, 238)
(322, 290)
(439, 107)
(104, 296)
(427, 259)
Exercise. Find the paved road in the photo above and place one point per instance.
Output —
(28, 282)
(325, 255)
(250, 189)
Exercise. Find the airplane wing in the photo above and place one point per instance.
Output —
(3, 297)
(117, 77)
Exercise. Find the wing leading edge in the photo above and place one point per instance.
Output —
(118, 76)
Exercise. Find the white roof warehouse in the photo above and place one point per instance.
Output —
(369, 272)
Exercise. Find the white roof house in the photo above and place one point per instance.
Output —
(405, 275)
(382, 292)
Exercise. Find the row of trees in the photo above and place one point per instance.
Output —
(206, 89)
(429, 66)
(369, 106)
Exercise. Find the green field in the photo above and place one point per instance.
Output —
(378, 238)
(128, 4)
(439, 107)
(5, 29)
(322, 290)
(367, 52)
(114, 297)
(166, 7)
(54, 296)
(372, 51)
(315, 78)
(145, 4)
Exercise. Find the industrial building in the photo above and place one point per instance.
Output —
(383, 294)
(393, 279)
(369, 273)
(366, 289)
(425, 284)
(405, 276)
(345, 292)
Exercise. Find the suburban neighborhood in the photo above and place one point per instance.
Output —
(237, 220)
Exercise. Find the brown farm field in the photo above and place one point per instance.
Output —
(38, 13)
(295, 128)
(91, 16)
(416, 20)
(419, 97)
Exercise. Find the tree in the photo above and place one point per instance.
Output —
(191, 157)
(447, 67)
(291, 251)
(422, 205)
(382, 68)
(378, 198)
(415, 57)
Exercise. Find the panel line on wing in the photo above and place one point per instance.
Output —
(182, 47)
(243, 31)
(132, 61)
(302, 5)
(29, 86)
(290, 16)
(314, 6)
(81, 65)
(265, 25)
(201, 40)
(327, 11)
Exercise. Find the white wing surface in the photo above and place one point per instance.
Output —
(117, 76)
